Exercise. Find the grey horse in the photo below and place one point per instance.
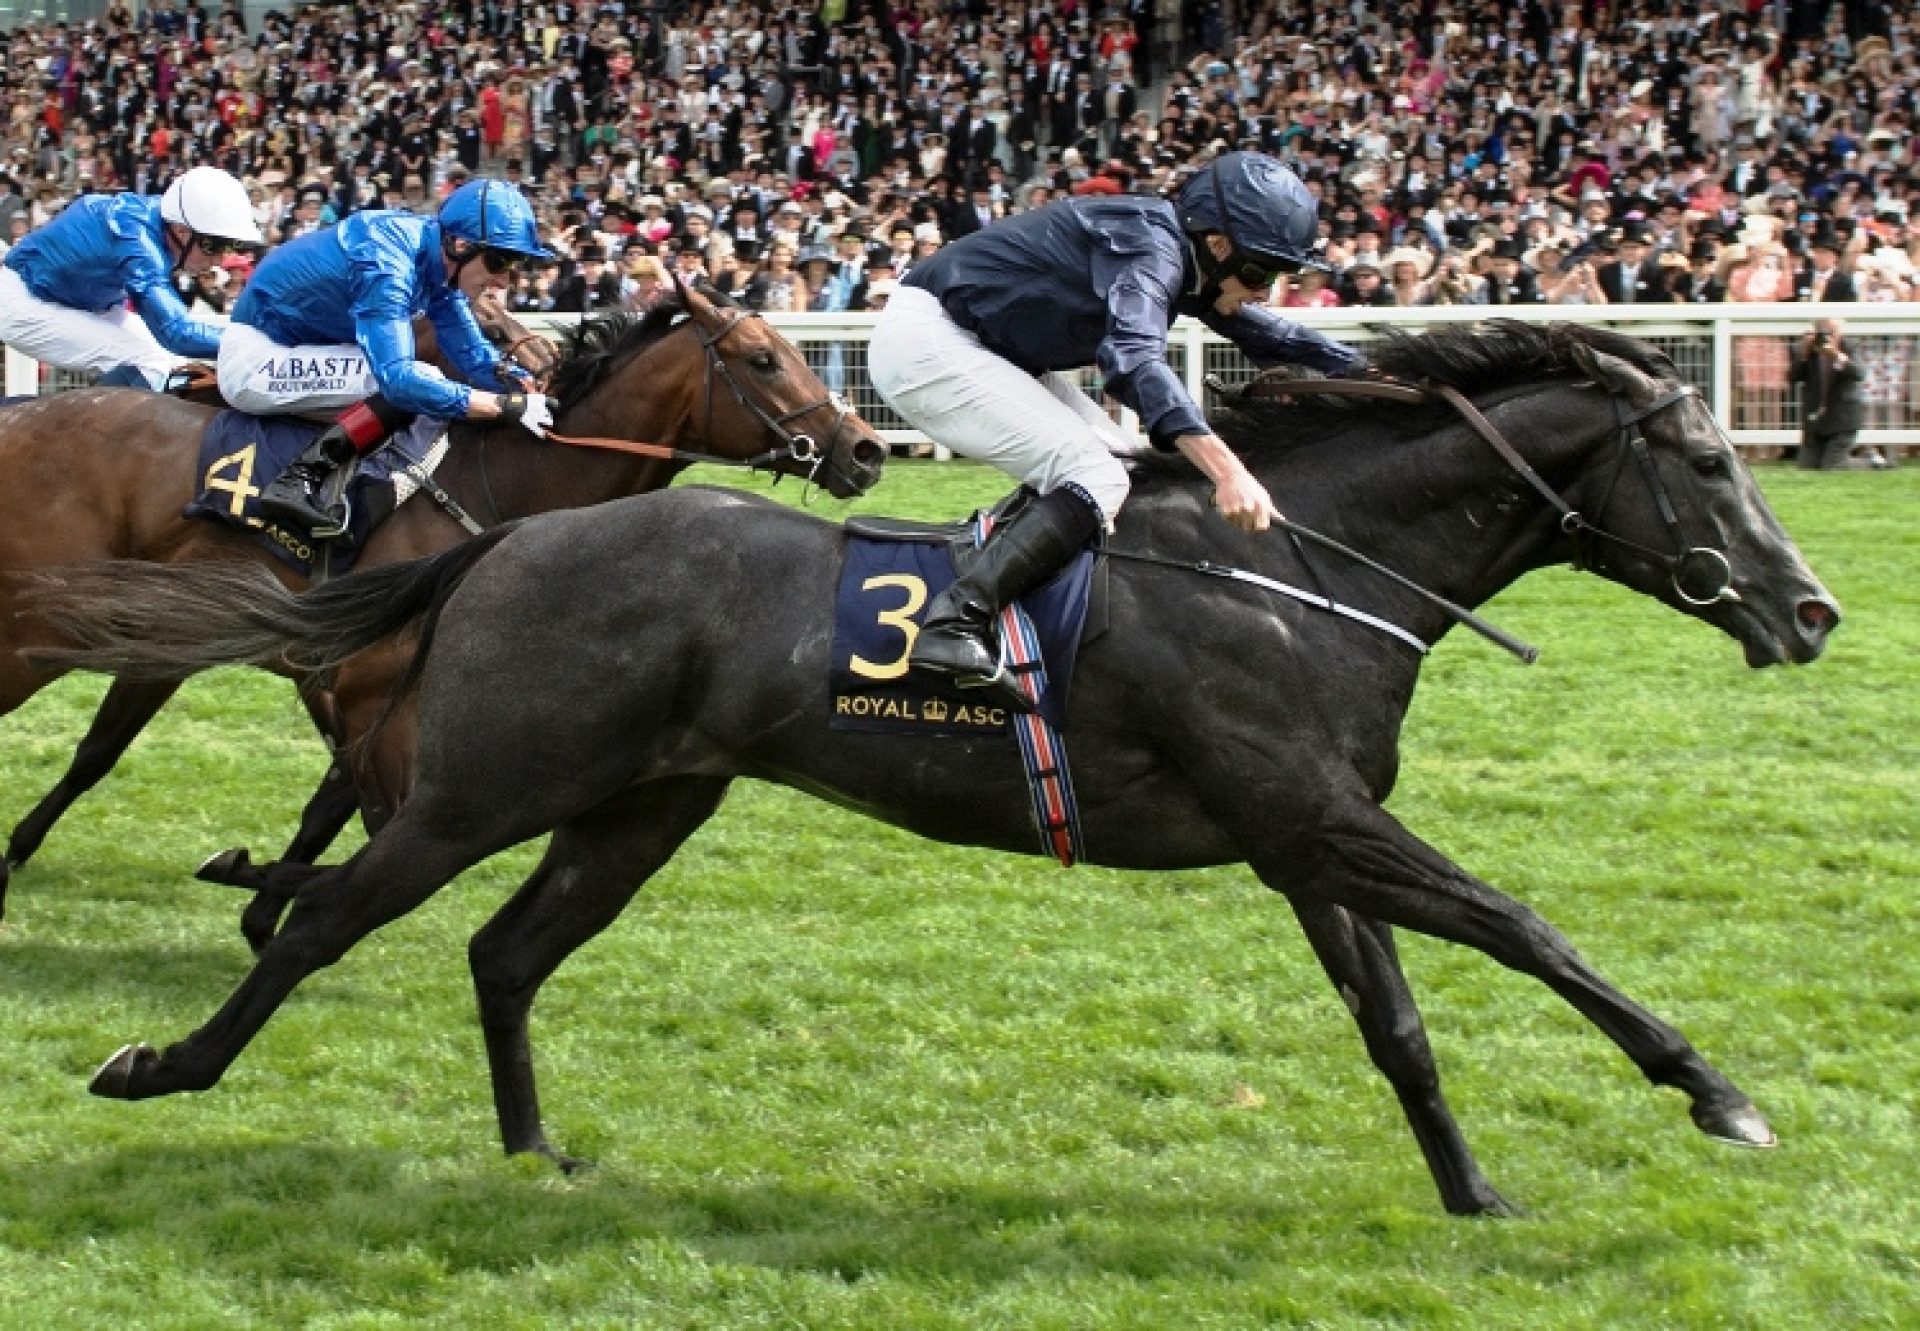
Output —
(605, 674)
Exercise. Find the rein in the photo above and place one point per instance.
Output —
(1582, 532)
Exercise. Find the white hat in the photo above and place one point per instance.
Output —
(211, 203)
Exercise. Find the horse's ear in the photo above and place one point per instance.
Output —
(1614, 374)
(697, 306)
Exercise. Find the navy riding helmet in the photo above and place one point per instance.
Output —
(1262, 209)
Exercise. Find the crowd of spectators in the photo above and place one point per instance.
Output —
(804, 154)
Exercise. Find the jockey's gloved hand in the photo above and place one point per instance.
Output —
(533, 410)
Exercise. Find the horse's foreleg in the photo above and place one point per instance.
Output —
(1361, 858)
(345, 904)
(594, 865)
(124, 713)
(1361, 960)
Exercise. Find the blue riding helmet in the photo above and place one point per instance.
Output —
(495, 216)
(1258, 205)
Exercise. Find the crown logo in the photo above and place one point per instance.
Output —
(935, 710)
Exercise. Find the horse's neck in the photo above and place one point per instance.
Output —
(1443, 509)
(499, 473)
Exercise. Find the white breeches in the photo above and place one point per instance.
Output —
(259, 375)
(1044, 431)
(70, 339)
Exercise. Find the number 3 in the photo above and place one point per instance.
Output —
(900, 618)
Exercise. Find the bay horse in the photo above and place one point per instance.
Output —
(103, 473)
(130, 705)
(1212, 723)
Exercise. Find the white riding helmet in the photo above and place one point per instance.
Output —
(212, 203)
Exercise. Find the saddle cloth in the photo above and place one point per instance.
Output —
(885, 588)
(241, 454)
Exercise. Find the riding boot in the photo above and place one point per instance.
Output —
(957, 638)
(297, 495)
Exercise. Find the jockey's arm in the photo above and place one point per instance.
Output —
(1272, 339)
(172, 324)
(409, 383)
(466, 344)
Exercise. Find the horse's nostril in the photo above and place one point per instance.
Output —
(1818, 618)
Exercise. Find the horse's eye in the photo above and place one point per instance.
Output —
(764, 360)
(1711, 465)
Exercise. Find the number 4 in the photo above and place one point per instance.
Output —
(241, 486)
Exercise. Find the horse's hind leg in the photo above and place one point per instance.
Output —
(1361, 960)
(388, 878)
(124, 713)
(327, 811)
(1361, 858)
(594, 865)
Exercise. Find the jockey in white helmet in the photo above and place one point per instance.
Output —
(65, 289)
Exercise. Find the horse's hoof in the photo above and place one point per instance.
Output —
(114, 1080)
(1738, 1124)
(1487, 1204)
(225, 867)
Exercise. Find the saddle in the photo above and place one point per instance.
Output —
(240, 454)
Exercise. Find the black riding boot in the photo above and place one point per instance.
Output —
(297, 495)
(957, 637)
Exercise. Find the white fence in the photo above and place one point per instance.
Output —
(1737, 355)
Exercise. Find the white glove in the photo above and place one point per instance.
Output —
(533, 410)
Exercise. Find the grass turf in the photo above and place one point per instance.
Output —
(837, 1076)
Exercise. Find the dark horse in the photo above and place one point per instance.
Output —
(104, 473)
(556, 695)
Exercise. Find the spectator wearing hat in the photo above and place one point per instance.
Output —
(1509, 280)
(1631, 278)
(1364, 284)
(1701, 282)
(591, 287)
(1406, 270)
(1562, 277)
(1828, 272)
(880, 266)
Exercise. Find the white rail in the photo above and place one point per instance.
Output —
(1737, 355)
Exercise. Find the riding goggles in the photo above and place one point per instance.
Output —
(501, 263)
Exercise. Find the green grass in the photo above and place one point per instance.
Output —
(836, 1076)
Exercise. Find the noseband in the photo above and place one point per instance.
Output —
(795, 446)
(1584, 534)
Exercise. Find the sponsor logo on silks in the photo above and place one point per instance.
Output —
(910, 711)
(313, 374)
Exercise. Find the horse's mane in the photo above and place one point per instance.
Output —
(590, 350)
(1502, 353)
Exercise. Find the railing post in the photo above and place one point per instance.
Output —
(23, 375)
(1723, 374)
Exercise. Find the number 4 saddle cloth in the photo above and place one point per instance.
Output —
(241, 454)
(892, 572)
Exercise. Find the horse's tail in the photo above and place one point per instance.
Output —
(155, 621)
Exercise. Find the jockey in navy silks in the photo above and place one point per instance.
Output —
(328, 320)
(65, 289)
(971, 348)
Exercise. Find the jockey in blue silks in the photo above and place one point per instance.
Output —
(971, 348)
(327, 321)
(65, 289)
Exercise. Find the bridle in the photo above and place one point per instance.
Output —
(1586, 537)
(795, 447)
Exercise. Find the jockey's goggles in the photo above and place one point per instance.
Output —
(215, 247)
(1258, 270)
(501, 263)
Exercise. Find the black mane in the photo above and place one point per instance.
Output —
(589, 351)
(1500, 353)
